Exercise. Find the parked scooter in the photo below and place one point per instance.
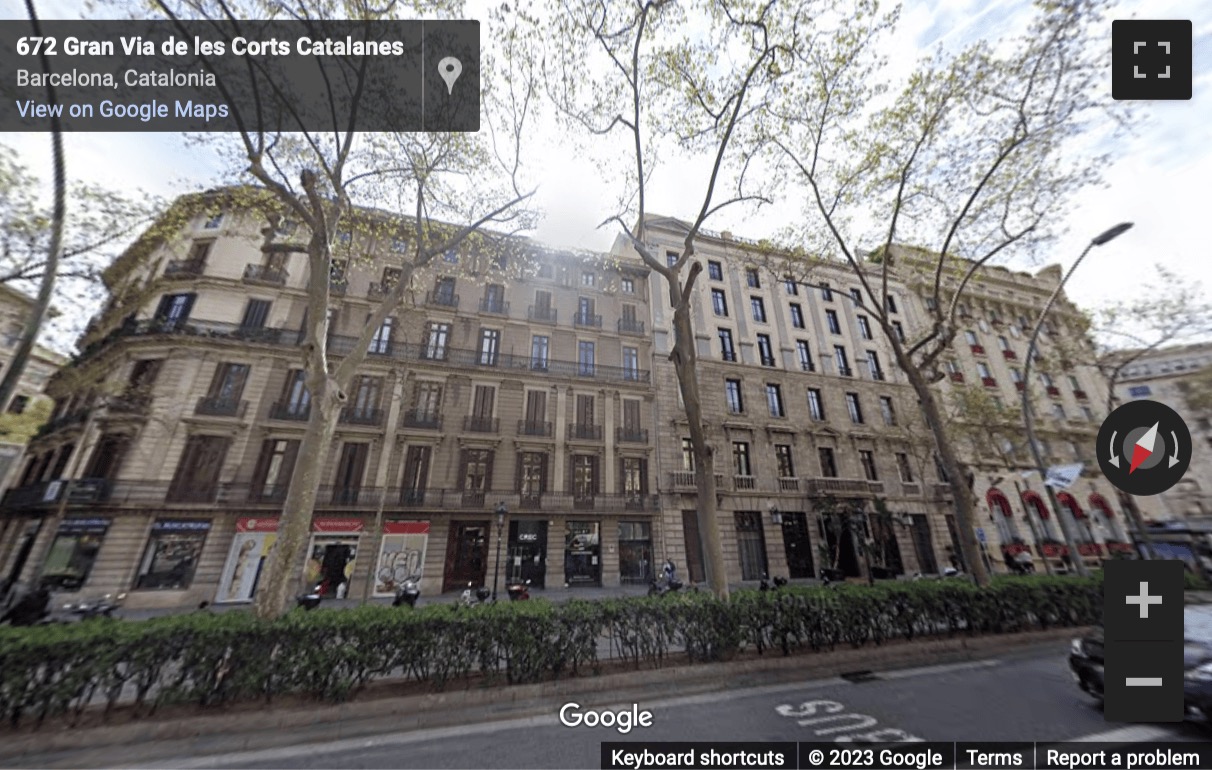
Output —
(667, 583)
(470, 599)
(407, 594)
(518, 591)
(94, 607)
(309, 601)
(779, 582)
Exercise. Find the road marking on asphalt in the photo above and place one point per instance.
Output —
(1125, 734)
(242, 758)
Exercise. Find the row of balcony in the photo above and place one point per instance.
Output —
(684, 481)
(91, 492)
(380, 349)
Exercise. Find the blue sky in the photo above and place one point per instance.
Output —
(1160, 180)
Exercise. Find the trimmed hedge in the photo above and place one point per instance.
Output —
(213, 659)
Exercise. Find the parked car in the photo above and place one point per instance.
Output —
(1086, 662)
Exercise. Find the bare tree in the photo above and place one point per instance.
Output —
(968, 159)
(325, 178)
(692, 75)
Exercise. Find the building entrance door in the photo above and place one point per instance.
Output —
(466, 555)
(798, 546)
(527, 553)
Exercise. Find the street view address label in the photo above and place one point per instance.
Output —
(256, 76)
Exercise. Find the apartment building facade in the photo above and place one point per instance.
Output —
(1179, 376)
(985, 380)
(821, 457)
(510, 400)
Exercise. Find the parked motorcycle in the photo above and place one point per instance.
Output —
(470, 599)
(311, 600)
(518, 591)
(94, 607)
(778, 581)
(407, 594)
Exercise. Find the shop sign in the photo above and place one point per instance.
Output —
(406, 528)
(84, 526)
(528, 537)
(172, 525)
(269, 524)
(328, 524)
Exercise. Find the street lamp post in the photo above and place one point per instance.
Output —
(1029, 416)
(496, 573)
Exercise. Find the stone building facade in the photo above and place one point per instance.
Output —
(509, 402)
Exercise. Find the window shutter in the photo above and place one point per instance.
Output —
(462, 470)
(488, 473)
(597, 476)
(262, 466)
(644, 476)
(543, 473)
(517, 475)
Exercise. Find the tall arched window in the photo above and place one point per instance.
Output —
(1035, 504)
(1003, 516)
(1081, 526)
(1105, 515)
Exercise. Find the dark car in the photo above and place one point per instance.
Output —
(1086, 662)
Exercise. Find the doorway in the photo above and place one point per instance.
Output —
(466, 555)
(838, 536)
(527, 553)
(798, 546)
(331, 564)
(582, 553)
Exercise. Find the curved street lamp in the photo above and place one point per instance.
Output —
(1028, 415)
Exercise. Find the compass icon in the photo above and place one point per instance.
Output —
(1144, 448)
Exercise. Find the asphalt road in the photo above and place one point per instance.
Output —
(1026, 697)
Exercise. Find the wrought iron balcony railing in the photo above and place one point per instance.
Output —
(534, 428)
(421, 418)
(220, 407)
(273, 276)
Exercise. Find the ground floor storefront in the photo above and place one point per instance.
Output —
(180, 559)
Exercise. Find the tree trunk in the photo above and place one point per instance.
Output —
(274, 595)
(684, 360)
(965, 516)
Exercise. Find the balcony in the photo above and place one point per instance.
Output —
(542, 314)
(585, 432)
(843, 371)
(411, 498)
(338, 286)
(267, 493)
(878, 374)
(473, 424)
(978, 349)
(744, 483)
(989, 382)
(379, 289)
(789, 485)
(728, 355)
(47, 494)
(421, 418)
(185, 268)
(807, 366)
(442, 299)
(352, 415)
(534, 428)
(631, 435)
(494, 306)
(1080, 395)
(339, 495)
(215, 406)
(940, 491)
(1010, 355)
(290, 411)
(265, 275)
(911, 489)
(129, 404)
(957, 376)
(630, 326)
(343, 345)
(838, 486)
(587, 320)
(1053, 391)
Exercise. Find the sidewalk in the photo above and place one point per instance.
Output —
(243, 727)
(560, 594)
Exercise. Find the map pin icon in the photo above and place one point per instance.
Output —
(450, 68)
